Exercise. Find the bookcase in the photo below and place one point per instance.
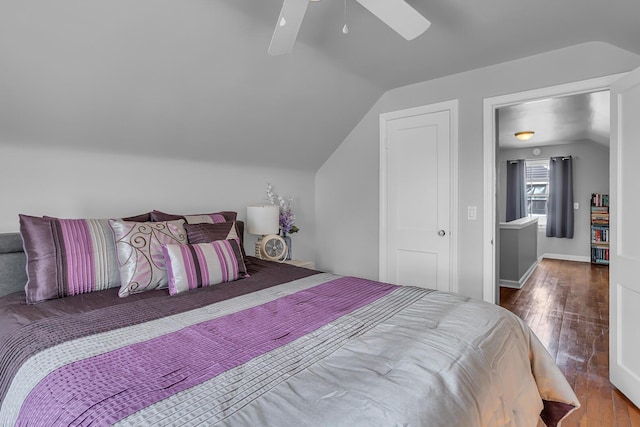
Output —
(600, 228)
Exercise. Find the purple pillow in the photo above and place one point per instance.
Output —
(203, 264)
(204, 233)
(67, 257)
(211, 218)
(145, 217)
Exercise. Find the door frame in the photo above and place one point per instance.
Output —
(490, 225)
(452, 107)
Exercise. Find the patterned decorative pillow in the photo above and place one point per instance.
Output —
(203, 264)
(139, 252)
(67, 257)
(204, 233)
(212, 218)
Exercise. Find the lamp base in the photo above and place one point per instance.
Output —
(258, 253)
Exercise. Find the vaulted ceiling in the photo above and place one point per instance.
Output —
(192, 78)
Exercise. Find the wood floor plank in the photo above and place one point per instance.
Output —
(566, 304)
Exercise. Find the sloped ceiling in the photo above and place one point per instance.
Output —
(192, 78)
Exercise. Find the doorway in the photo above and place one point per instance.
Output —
(491, 219)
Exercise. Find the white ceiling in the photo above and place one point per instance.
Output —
(562, 120)
(192, 78)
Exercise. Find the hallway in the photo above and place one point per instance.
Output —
(567, 305)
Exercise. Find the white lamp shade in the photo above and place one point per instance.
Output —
(263, 219)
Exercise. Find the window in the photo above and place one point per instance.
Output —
(537, 176)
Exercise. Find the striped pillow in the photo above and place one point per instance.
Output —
(67, 257)
(211, 218)
(203, 264)
(204, 233)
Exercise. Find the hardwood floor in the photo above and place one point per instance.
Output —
(567, 306)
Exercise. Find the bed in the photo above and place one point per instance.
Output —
(283, 346)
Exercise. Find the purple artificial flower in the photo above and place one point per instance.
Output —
(287, 217)
(287, 220)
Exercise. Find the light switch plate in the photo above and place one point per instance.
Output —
(576, 206)
(472, 213)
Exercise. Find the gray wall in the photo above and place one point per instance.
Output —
(590, 175)
(83, 184)
(347, 185)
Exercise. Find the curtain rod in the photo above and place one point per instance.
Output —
(565, 157)
(540, 158)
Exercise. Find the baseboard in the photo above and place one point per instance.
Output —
(511, 284)
(563, 257)
(520, 283)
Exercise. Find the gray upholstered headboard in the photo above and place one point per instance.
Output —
(13, 275)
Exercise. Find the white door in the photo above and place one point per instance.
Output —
(415, 198)
(624, 270)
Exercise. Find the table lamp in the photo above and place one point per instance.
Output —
(262, 220)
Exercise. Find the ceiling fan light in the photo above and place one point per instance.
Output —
(524, 135)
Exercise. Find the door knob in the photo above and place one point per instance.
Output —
(441, 233)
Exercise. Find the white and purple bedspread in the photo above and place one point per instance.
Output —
(322, 350)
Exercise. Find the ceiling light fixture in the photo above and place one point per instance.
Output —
(525, 135)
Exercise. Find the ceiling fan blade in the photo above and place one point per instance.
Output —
(399, 15)
(287, 26)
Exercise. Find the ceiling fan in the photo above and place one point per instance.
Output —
(397, 14)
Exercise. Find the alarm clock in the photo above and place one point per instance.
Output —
(273, 248)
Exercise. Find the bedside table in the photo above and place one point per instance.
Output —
(301, 263)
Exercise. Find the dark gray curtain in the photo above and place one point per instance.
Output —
(516, 190)
(560, 203)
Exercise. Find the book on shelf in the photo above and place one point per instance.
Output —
(599, 235)
(599, 200)
(599, 255)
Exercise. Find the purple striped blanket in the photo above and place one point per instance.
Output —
(113, 385)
